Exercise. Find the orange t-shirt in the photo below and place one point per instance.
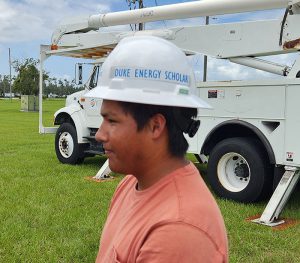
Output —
(174, 220)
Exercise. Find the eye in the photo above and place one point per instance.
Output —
(111, 121)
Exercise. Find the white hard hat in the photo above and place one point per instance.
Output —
(148, 70)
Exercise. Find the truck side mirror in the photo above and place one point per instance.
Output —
(78, 73)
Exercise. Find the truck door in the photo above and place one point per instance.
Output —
(92, 105)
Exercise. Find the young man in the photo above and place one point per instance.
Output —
(162, 211)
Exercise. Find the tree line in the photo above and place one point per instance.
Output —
(26, 81)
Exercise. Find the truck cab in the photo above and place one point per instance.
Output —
(78, 122)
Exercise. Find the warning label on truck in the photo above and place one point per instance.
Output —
(212, 94)
(215, 94)
(289, 156)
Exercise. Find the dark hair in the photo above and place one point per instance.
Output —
(141, 113)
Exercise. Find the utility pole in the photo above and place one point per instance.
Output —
(133, 3)
(9, 61)
(1, 85)
(205, 57)
(141, 5)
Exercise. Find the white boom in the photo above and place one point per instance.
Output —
(184, 10)
(233, 41)
(168, 12)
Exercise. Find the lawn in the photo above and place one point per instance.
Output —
(50, 213)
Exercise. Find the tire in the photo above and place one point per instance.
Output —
(66, 145)
(238, 169)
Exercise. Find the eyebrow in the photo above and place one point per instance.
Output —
(107, 114)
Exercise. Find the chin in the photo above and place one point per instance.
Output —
(114, 167)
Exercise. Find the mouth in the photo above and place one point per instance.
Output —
(108, 152)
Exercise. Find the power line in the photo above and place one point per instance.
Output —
(141, 5)
(9, 61)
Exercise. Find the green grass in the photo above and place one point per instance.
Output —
(50, 213)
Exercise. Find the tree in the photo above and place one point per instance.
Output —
(60, 87)
(4, 84)
(27, 79)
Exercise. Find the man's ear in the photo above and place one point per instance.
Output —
(157, 125)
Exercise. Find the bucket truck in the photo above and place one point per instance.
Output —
(250, 138)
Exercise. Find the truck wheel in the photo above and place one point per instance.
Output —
(66, 145)
(239, 170)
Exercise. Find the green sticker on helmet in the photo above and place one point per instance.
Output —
(183, 91)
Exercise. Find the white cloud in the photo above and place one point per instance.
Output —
(233, 71)
(225, 70)
(67, 77)
(31, 20)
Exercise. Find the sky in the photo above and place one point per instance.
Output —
(25, 24)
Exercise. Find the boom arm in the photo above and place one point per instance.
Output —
(238, 42)
(255, 38)
(167, 12)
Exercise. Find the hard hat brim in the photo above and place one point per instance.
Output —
(147, 97)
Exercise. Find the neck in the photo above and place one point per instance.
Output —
(157, 168)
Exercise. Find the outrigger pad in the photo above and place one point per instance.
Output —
(280, 224)
(93, 179)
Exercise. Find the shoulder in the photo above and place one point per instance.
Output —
(195, 201)
(180, 242)
(197, 207)
(194, 198)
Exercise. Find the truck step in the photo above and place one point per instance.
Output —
(90, 138)
(94, 152)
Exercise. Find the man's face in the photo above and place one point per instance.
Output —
(122, 142)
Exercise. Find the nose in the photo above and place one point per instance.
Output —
(101, 135)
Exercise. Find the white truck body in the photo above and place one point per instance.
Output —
(269, 106)
(250, 135)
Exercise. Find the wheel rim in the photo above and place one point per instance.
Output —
(233, 172)
(66, 144)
